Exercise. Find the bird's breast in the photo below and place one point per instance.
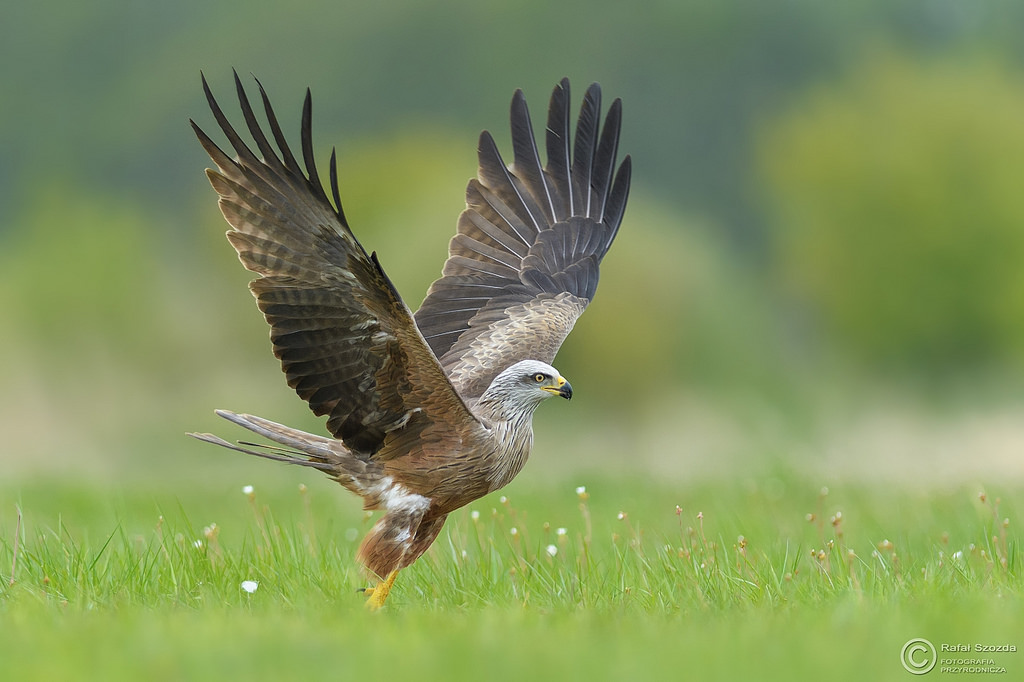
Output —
(512, 444)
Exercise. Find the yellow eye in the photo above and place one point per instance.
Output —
(538, 377)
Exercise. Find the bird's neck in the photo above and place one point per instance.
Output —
(516, 439)
(494, 407)
(512, 427)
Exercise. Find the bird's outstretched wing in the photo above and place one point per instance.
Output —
(523, 264)
(346, 341)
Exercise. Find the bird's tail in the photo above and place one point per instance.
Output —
(305, 449)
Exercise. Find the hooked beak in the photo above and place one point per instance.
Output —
(563, 389)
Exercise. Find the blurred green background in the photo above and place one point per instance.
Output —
(820, 267)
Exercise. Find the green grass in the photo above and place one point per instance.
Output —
(774, 578)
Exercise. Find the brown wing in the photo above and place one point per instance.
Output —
(346, 341)
(523, 264)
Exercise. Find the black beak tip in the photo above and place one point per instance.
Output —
(566, 391)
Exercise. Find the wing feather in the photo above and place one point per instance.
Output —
(604, 161)
(490, 207)
(506, 187)
(524, 262)
(615, 207)
(526, 163)
(479, 228)
(557, 141)
(584, 149)
(347, 343)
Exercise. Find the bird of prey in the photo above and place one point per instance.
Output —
(431, 411)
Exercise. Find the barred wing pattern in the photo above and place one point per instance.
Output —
(346, 341)
(523, 264)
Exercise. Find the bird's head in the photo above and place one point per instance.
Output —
(530, 382)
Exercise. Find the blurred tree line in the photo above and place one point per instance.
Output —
(899, 215)
(838, 177)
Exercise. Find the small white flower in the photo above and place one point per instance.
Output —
(465, 554)
(561, 531)
(250, 586)
(581, 490)
(552, 550)
(503, 499)
(475, 515)
(958, 555)
(513, 530)
(622, 515)
(198, 544)
(247, 490)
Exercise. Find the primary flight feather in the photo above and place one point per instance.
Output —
(431, 411)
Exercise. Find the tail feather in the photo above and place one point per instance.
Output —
(311, 444)
(305, 449)
(267, 452)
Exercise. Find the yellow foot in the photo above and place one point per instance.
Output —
(377, 595)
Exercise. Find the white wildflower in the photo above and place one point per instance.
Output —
(250, 586)
(513, 530)
(248, 490)
(552, 550)
(475, 515)
(581, 490)
(561, 531)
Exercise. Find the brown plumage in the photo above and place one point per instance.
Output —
(431, 412)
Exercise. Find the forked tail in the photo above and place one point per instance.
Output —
(305, 449)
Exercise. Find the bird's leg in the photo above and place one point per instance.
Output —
(377, 595)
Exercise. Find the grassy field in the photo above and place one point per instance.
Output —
(778, 578)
